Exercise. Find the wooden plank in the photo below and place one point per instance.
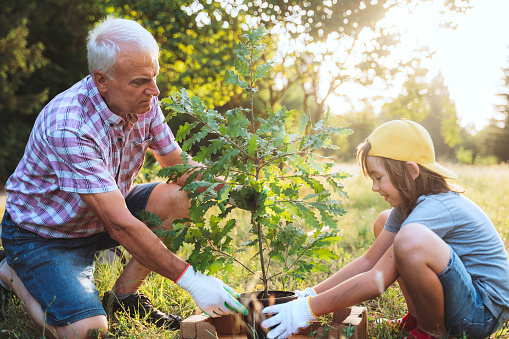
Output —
(231, 327)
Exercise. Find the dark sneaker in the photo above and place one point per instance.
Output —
(138, 305)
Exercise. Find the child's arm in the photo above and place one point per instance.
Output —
(361, 287)
(360, 265)
(291, 316)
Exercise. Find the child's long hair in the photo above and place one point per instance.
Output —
(428, 182)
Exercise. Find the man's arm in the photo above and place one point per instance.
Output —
(134, 235)
(173, 159)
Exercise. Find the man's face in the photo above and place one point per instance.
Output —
(134, 83)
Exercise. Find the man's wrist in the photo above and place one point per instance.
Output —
(183, 272)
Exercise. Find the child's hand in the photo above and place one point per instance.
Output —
(288, 318)
(308, 292)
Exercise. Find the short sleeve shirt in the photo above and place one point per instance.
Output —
(472, 235)
(78, 146)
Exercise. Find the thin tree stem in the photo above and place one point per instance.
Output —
(234, 259)
(251, 89)
(262, 261)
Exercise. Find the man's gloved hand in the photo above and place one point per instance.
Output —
(214, 297)
(308, 292)
(288, 317)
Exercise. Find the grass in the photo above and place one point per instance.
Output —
(485, 185)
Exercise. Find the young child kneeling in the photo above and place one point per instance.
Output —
(443, 250)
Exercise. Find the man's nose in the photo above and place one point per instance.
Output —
(152, 88)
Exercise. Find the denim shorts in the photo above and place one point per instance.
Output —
(59, 273)
(465, 312)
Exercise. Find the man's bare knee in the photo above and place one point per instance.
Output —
(169, 203)
(380, 221)
(85, 328)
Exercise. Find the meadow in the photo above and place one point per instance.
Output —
(485, 185)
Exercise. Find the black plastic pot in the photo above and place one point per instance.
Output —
(254, 302)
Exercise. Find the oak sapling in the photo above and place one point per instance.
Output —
(271, 167)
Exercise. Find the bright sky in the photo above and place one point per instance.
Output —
(471, 58)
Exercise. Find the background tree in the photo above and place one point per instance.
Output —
(18, 60)
(319, 48)
(430, 105)
(196, 40)
(489, 145)
(442, 120)
(323, 47)
(362, 123)
(42, 52)
(500, 126)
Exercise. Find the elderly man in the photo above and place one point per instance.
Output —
(71, 195)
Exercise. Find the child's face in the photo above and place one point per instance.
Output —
(382, 183)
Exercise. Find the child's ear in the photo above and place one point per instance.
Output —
(413, 168)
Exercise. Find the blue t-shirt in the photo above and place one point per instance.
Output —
(471, 234)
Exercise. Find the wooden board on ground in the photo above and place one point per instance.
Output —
(352, 320)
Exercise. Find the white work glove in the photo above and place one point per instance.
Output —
(308, 292)
(288, 317)
(212, 296)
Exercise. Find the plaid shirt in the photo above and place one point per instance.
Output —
(78, 146)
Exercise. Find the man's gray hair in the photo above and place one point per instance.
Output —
(105, 38)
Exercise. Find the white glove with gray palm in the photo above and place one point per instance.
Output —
(212, 296)
(288, 318)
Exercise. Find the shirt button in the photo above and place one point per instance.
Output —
(119, 139)
(111, 124)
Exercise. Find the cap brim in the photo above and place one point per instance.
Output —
(440, 170)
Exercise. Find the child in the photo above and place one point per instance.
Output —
(444, 251)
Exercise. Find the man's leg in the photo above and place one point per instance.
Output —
(420, 256)
(168, 203)
(78, 329)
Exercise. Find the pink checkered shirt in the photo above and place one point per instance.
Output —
(78, 146)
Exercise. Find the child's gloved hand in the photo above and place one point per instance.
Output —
(308, 292)
(214, 297)
(288, 318)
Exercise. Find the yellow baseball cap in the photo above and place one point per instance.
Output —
(406, 140)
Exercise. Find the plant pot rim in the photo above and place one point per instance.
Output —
(287, 294)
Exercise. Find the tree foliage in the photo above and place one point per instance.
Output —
(331, 45)
(19, 59)
(42, 52)
(195, 38)
(318, 47)
(269, 169)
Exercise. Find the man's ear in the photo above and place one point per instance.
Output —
(100, 81)
(413, 168)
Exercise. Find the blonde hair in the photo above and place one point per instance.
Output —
(427, 182)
